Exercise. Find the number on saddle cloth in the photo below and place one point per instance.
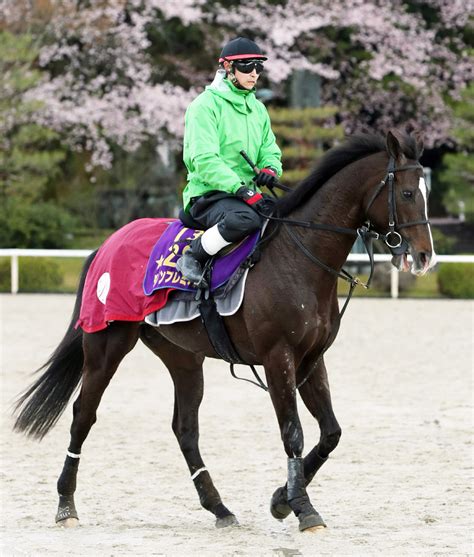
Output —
(161, 269)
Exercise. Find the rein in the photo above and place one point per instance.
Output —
(366, 233)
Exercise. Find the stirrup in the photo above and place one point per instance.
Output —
(200, 282)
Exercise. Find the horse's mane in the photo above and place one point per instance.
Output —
(352, 149)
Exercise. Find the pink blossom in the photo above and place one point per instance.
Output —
(408, 69)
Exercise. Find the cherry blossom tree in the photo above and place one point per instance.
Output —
(383, 62)
(101, 88)
(123, 71)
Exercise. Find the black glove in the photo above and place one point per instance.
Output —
(253, 198)
(266, 177)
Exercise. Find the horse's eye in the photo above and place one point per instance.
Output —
(407, 194)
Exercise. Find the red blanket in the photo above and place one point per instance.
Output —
(114, 285)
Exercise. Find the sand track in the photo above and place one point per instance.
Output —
(398, 484)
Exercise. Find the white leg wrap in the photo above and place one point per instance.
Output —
(196, 474)
(212, 240)
(73, 455)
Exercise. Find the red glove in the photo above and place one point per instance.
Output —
(252, 198)
(266, 177)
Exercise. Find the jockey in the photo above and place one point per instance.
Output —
(222, 189)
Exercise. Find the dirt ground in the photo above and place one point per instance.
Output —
(398, 484)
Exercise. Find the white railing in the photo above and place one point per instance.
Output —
(379, 257)
(14, 254)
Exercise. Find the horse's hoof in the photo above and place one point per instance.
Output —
(68, 523)
(225, 521)
(278, 506)
(311, 522)
(314, 529)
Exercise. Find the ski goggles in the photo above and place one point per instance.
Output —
(247, 66)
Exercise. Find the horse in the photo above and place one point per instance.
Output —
(288, 319)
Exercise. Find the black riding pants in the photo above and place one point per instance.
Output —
(234, 218)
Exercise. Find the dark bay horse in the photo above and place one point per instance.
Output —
(288, 318)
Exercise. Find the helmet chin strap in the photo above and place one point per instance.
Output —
(233, 79)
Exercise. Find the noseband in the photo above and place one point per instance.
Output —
(393, 239)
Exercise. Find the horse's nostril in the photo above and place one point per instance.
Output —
(424, 258)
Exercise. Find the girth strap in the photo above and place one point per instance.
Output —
(221, 341)
(217, 332)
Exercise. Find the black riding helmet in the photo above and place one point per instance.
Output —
(241, 49)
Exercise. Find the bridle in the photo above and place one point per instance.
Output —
(393, 239)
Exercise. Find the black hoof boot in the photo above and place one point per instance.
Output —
(298, 499)
(67, 515)
(279, 504)
(191, 270)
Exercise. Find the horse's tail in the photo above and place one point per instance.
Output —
(42, 404)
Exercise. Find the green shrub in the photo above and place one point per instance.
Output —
(36, 274)
(443, 244)
(39, 225)
(456, 280)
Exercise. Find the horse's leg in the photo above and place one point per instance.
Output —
(186, 371)
(317, 398)
(103, 352)
(281, 377)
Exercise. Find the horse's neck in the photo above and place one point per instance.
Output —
(340, 202)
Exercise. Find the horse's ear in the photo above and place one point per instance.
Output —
(393, 146)
(419, 145)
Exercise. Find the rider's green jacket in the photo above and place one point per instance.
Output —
(219, 123)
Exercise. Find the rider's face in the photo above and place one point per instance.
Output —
(246, 80)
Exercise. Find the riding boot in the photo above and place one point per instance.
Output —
(191, 264)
